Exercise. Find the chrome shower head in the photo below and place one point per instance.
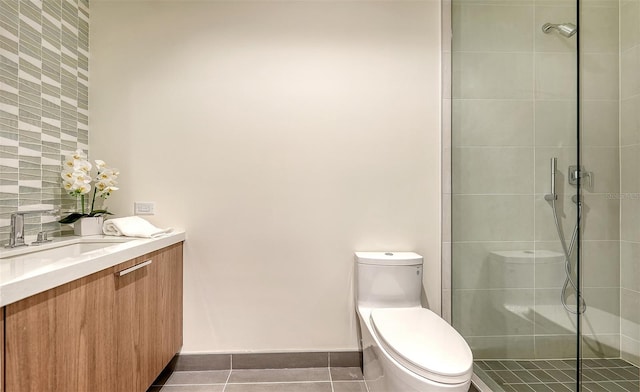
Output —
(566, 29)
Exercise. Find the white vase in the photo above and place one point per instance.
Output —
(90, 225)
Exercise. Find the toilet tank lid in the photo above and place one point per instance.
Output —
(389, 258)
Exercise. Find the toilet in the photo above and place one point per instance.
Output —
(406, 348)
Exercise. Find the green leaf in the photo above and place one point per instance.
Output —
(99, 213)
(71, 217)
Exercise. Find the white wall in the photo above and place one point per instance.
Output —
(282, 136)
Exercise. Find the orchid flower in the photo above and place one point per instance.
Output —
(76, 181)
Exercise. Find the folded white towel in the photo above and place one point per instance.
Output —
(132, 226)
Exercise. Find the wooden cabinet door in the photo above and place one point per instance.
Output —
(149, 317)
(169, 294)
(135, 327)
(62, 339)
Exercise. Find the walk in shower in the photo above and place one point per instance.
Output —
(543, 147)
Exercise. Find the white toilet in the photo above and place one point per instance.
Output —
(406, 348)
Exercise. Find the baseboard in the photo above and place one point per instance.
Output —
(202, 362)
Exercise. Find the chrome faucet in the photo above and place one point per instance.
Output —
(16, 235)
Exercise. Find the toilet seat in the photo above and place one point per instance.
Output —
(424, 343)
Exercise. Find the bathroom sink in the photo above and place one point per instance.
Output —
(34, 259)
(33, 269)
(59, 249)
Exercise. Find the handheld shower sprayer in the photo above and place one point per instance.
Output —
(567, 249)
(554, 168)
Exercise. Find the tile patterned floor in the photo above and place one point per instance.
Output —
(615, 375)
(341, 379)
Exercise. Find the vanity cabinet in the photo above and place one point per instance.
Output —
(112, 331)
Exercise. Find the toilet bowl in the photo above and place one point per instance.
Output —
(406, 348)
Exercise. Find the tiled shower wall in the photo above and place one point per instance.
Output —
(630, 180)
(514, 108)
(44, 108)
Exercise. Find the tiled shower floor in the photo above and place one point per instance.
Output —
(559, 375)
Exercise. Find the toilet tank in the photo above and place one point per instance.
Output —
(388, 279)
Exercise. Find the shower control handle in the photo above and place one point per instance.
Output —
(579, 173)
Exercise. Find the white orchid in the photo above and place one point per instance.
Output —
(104, 189)
(106, 181)
(76, 180)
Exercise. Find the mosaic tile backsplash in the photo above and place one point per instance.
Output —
(44, 104)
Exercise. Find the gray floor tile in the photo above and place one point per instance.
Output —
(622, 374)
(278, 375)
(512, 365)
(608, 374)
(495, 365)
(628, 386)
(521, 387)
(496, 376)
(594, 387)
(561, 364)
(198, 377)
(528, 364)
(613, 387)
(544, 365)
(525, 376)
(559, 375)
(558, 387)
(540, 388)
(508, 377)
(188, 388)
(619, 362)
(592, 375)
(589, 363)
(349, 386)
(629, 374)
(346, 374)
(280, 387)
(601, 362)
(542, 375)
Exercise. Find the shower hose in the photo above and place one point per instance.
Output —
(568, 251)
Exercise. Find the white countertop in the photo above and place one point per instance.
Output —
(23, 276)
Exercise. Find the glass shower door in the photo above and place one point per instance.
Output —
(514, 104)
(545, 192)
